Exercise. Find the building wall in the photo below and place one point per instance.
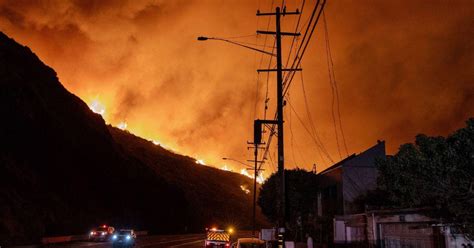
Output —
(396, 229)
(331, 193)
(341, 184)
(359, 175)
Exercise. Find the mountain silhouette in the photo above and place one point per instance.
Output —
(64, 171)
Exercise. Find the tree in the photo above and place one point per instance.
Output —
(435, 172)
(301, 188)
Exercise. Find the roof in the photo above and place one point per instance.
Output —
(399, 210)
(338, 164)
(371, 152)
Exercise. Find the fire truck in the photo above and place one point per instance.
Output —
(216, 238)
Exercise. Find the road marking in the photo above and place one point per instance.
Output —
(164, 242)
(189, 243)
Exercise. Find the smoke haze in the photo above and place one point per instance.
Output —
(402, 68)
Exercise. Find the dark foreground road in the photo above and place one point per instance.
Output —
(182, 241)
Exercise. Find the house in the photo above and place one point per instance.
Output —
(345, 181)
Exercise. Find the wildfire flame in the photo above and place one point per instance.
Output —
(122, 125)
(245, 173)
(225, 168)
(200, 161)
(260, 177)
(97, 107)
(157, 143)
(244, 189)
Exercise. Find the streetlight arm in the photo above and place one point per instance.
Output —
(203, 38)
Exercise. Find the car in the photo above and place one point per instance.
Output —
(216, 238)
(102, 233)
(249, 243)
(124, 238)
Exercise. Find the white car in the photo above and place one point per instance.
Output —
(124, 238)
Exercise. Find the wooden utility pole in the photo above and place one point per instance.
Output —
(281, 156)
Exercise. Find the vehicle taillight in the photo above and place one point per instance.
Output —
(227, 244)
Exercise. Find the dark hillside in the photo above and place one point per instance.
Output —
(62, 172)
(215, 194)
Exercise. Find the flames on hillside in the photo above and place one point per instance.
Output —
(99, 108)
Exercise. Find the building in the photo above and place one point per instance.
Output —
(340, 187)
(396, 228)
(345, 181)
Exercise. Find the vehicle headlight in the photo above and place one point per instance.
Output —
(128, 237)
(92, 233)
(114, 237)
(103, 234)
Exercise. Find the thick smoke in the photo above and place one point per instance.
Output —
(401, 69)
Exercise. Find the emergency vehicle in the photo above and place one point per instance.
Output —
(102, 233)
(216, 238)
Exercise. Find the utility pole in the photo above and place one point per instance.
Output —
(255, 189)
(256, 171)
(281, 157)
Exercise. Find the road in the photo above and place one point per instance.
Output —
(154, 241)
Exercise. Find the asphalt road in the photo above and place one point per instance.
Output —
(154, 241)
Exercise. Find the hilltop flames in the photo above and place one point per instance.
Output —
(260, 177)
(97, 107)
(200, 161)
(122, 125)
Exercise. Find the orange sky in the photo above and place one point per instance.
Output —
(401, 69)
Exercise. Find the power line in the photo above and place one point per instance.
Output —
(310, 118)
(298, 58)
(292, 138)
(333, 96)
(316, 138)
(303, 40)
(296, 30)
(334, 82)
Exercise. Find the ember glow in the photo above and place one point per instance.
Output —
(245, 189)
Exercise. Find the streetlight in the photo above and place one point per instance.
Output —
(204, 38)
